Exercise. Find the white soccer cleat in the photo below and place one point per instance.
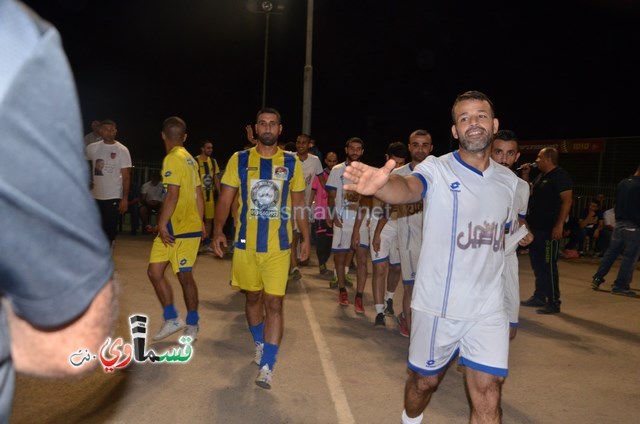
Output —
(264, 377)
(169, 327)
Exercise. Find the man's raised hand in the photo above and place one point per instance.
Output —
(367, 179)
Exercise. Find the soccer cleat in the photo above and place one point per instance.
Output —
(388, 309)
(191, 331)
(379, 320)
(622, 291)
(343, 298)
(258, 356)
(264, 377)
(596, 282)
(348, 281)
(323, 269)
(402, 323)
(359, 306)
(169, 327)
(148, 229)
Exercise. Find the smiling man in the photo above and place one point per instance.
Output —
(458, 300)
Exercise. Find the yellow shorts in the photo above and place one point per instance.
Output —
(255, 271)
(182, 255)
(209, 209)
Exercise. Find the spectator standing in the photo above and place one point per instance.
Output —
(94, 135)
(110, 177)
(549, 206)
(625, 238)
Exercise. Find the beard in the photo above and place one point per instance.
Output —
(419, 156)
(479, 142)
(354, 157)
(268, 139)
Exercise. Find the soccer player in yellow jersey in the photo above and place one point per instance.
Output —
(180, 230)
(209, 171)
(271, 192)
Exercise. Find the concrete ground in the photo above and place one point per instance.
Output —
(579, 366)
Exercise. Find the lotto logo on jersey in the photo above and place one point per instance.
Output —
(167, 174)
(455, 186)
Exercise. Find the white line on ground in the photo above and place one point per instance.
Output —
(335, 387)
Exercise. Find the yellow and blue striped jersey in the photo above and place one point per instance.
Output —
(208, 169)
(264, 197)
(180, 169)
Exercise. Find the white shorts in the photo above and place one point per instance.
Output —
(388, 243)
(409, 244)
(511, 288)
(342, 236)
(435, 342)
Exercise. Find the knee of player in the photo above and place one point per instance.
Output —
(424, 383)
(273, 304)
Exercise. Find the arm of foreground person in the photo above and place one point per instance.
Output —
(45, 352)
(393, 189)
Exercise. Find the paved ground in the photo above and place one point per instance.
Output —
(580, 366)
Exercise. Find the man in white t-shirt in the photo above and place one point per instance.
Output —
(110, 176)
(504, 150)
(458, 299)
(311, 167)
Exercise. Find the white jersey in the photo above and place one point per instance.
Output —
(310, 168)
(465, 215)
(347, 202)
(409, 224)
(510, 272)
(153, 192)
(106, 162)
(519, 212)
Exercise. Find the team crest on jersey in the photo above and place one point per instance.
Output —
(190, 162)
(265, 195)
(281, 173)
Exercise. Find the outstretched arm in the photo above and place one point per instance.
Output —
(393, 189)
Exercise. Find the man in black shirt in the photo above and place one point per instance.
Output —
(626, 236)
(549, 206)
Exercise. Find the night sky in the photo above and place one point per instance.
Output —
(563, 69)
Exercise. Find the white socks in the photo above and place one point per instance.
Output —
(407, 420)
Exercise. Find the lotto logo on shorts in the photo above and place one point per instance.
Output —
(183, 261)
(431, 363)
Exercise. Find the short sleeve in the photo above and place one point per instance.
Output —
(316, 183)
(297, 182)
(230, 176)
(318, 170)
(172, 172)
(126, 158)
(333, 181)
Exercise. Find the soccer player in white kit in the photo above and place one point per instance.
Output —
(311, 167)
(458, 299)
(504, 150)
(410, 227)
(345, 205)
(383, 235)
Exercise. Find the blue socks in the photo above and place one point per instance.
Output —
(257, 331)
(169, 312)
(269, 355)
(192, 318)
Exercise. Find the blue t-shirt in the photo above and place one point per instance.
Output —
(54, 256)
